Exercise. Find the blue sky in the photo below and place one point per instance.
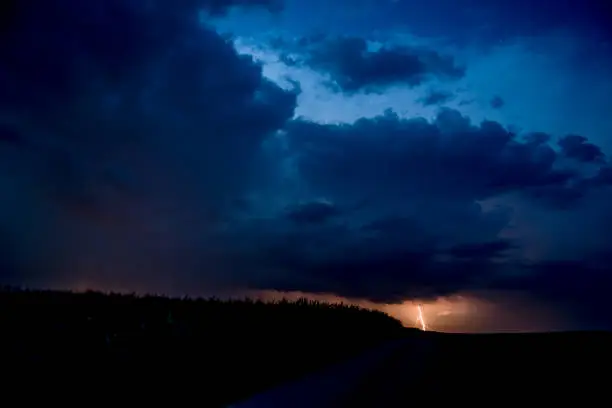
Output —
(453, 153)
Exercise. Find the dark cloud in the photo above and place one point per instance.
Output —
(354, 65)
(485, 22)
(58, 46)
(140, 123)
(378, 276)
(577, 147)
(379, 268)
(482, 250)
(313, 212)
(436, 98)
(603, 177)
(414, 157)
(497, 102)
(420, 230)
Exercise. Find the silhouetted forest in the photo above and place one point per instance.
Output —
(217, 351)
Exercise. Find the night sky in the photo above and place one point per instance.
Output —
(451, 153)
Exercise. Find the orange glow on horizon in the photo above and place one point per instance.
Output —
(475, 312)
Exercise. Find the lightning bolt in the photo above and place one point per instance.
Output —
(420, 319)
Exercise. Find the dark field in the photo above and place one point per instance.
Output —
(494, 370)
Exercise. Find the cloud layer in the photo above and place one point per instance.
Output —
(404, 212)
(140, 149)
(353, 64)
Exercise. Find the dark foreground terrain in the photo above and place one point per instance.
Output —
(158, 349)
(432, 369)
(565, 368)
(91, 347)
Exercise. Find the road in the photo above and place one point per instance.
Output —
(453, 369)
(335, 386)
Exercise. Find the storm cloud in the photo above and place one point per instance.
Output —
(448, 157)
(353, 64)
(142, 149)
(418, 225)
(126, 130)
(435, 97)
